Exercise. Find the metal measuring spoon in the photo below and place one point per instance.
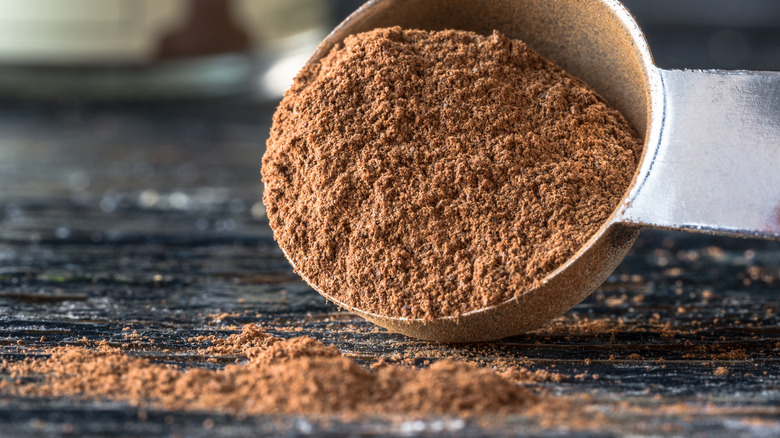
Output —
(711, 159)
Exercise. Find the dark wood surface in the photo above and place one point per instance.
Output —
(148, 217)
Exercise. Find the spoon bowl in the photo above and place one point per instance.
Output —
(688, 178)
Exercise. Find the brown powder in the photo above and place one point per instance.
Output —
(428, 174)
(299, 375)
(721, 371)
(738, 354)
(249, 342)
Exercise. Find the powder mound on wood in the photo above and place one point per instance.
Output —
(251, 341)
(296, 376)
(428, 174)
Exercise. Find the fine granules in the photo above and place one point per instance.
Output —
(428, 174)
(299, 375)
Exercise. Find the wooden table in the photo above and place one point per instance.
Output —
(147, 216)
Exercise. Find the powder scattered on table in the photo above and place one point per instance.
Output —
(428, 174)
(296, 376)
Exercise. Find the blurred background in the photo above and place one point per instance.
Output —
(251, 48)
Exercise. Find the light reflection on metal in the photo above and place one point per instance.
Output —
(716, 167)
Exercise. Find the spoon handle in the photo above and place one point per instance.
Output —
(716, 167)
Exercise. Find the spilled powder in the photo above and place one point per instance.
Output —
(299, 375)
(250, 342)
(428, 174)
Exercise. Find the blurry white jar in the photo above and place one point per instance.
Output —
(155, 48)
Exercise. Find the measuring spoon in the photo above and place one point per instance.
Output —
(711, 159)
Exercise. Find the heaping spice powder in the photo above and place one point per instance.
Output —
(293, 376)
(428, 174)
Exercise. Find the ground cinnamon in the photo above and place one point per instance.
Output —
(272, 375)
(428, 174)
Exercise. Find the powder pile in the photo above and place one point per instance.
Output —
(298, 376)
(250, 342)
(428, 174)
